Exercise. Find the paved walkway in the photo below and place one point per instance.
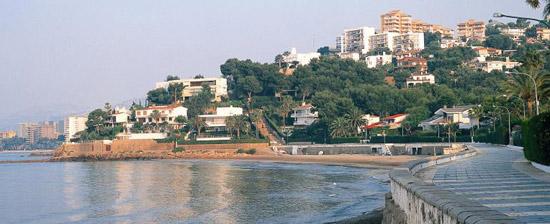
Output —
(498, 178)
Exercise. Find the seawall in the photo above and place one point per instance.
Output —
(413, 201)
(141, 149)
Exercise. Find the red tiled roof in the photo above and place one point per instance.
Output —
(304, 107)
(166, 107)
(394, 116)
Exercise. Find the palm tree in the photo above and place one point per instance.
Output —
(340, 127)
(155, 116)
(537, 4)
(287, 104)
(198, 124)
(255, 118)
(355, 119)
(242, 125)
(231, 124)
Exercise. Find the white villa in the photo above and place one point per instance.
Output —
(303, 115)
(374, 61)
(457, 115)
(218, 86)
(120, 116)
(300, 58)
(215, 123)
(167, 114)
(420, 78)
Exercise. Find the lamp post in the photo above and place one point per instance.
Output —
(534, 85)
(522, 103)
(510, 139)
(500, 15)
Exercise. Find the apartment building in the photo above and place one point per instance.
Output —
(397, 42)
(73, 125)
(419, 26)
(48, 130)
(419, 78)
(30, 132)
(472, 29)
(354, 40)
(396, 21)
(543, 33)
(218, 86)
(7, 134)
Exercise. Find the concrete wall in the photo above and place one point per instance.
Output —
(225, 147)
(396, 149)
(424, 203)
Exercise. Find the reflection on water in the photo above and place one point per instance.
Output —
(185, 191)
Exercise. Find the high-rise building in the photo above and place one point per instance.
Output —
(7, 134)
(354, 40)
(397, 42)
(73, 125)
(472, 29)
(48, 130)
(396, 21)
(30, 132)
(419, 26)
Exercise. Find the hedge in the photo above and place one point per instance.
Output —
(536, 139)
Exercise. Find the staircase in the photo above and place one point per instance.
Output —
(265, 130)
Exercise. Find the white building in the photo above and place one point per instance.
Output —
(489, 66)
(354, 40)
(350, 55)
(514, 33)
(120, 116)
(167, 114)
(73, 125)
(215, 128)
(378, 60)
(300, 58)
(420, 78)
(397, 42)
(303, 115)
(460, 115)
(218, 86)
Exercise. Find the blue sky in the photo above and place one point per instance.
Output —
(59, 57)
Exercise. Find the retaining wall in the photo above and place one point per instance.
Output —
(396, 149)
(425, 203)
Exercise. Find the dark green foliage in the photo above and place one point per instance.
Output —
(324, 51)
(536, 139)
(243, 140)
(500, 41)
(178, 149)
(159, 96)
(197, 104)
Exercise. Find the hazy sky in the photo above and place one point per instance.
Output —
(61, 57)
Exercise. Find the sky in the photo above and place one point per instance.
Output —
(62, 57)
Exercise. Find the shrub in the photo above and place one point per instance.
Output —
(239, 151)
(251, 151)
(536, 139)
(178, 149)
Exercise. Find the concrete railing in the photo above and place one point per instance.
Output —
(425, 203)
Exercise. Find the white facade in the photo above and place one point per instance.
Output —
(489, 66)
(167, 114)
(120, 116)
(73, 125)
(350, 55)
(420, 79)
(514, 33)
(215, 123)
(303, 115)
(300, 58)
(397, 42)
(218, 86)
(378, 60)
(354, 40)
(460, 115)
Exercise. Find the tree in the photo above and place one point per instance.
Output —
(340, 128)
(175, 91)
(531, 32)
(172, 77)
(197, 104)
(256, 117)
(180, 120)
(199, 76)
(500, 41)
(96, 120)
(155, 117)
(430, 37)
(237, 124)
(250, 85)
(324, 51)
(355, 119)
(159, 96)
(415, 115)
(537, 4)
(287, 104)
(198, 124)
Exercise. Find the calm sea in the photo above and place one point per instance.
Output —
(186, 191)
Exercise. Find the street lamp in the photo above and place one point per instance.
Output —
(500, 15)
(534, 85)
(510, 139)
(522, 103)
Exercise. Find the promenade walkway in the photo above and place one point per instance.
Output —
(498, 178)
